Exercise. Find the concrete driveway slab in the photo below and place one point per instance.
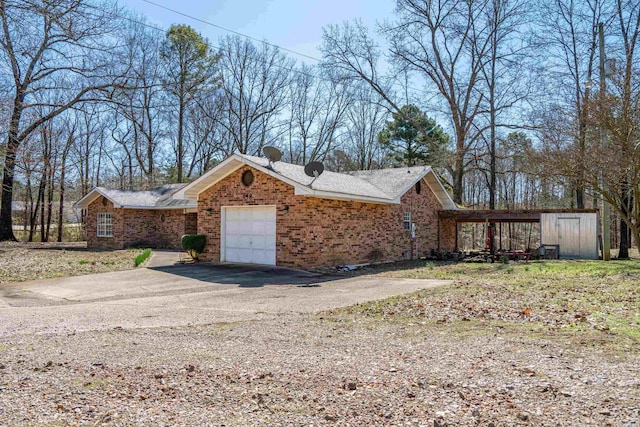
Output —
(167, 294)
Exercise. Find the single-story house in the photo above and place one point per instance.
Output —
(118, 219)
(254, 211)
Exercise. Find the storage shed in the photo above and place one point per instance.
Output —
(576, 233)
(572, 233)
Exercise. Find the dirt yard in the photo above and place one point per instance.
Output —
(30, 261)
(538, 344)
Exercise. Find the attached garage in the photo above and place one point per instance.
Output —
(255, 211)
(248, 234)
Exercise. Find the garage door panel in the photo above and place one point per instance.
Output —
(261, 243)
(271, 241)
(271, 230)
(233, 255)
(243, 241)
(250, 234)
(232, 228)
(259, 228)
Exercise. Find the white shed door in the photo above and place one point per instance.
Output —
(249, 234)
(569, 237)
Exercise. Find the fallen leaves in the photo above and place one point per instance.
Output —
(32, 261)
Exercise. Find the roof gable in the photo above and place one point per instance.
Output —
(377, 186)
(157, 198)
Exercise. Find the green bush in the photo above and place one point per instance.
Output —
(194, 244)
(143, 256)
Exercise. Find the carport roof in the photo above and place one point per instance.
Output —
(504, 215)
(379, 186)
(156, 198)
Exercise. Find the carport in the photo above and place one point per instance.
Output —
(572, 233)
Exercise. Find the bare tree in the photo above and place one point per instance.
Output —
(623, 127)
(65, 46)
(446, 44)
(254, 92)
(364, 120)
(318, 105)
(503, 77)
(143, 104)
(353, 53)
(568, 29)
(205, 134)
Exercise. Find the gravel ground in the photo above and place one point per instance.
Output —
(324, 369)
(526, 345)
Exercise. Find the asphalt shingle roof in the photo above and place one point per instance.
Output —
(382, 183)
(159, 197)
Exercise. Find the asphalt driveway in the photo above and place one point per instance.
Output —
(169, 294)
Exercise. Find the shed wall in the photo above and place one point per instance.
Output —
(575, 233)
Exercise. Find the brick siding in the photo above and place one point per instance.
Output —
(139, 227)
(448, 234)
(313, 232)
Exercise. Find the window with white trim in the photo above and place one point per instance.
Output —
(406, 221)
(105, 225)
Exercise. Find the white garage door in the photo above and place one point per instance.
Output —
(249, 234)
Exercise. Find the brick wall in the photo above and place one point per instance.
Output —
(138, 227)
(102, 205)
(313, 232)
(191, 223)
(448, 234)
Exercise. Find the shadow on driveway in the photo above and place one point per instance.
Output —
(245, 275)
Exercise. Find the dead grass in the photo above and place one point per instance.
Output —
(31, 261)
(588, 303)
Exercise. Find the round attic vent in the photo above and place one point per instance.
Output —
(247, 178)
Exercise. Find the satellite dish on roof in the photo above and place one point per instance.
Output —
(314, 170)
(272, 153)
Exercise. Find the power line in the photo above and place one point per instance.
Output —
(219, 48)
(229, 30)
(250, 38)
(212, 45)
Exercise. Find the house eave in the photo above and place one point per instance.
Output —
(235, 162)
(90, 197)
(301, 190)
(156, 208)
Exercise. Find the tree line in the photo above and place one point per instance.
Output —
(503, 97)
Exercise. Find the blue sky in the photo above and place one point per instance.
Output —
(292, 24)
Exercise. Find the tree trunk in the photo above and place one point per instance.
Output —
(458, 169)
(180, 132)
(49, 204)
(61, 207)
(625, 235)
(6, 223)
(41, 192)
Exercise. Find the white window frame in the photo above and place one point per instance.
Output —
(104, 225)
(406, 221)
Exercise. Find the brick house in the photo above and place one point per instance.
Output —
(255, 212)
(117, 219)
